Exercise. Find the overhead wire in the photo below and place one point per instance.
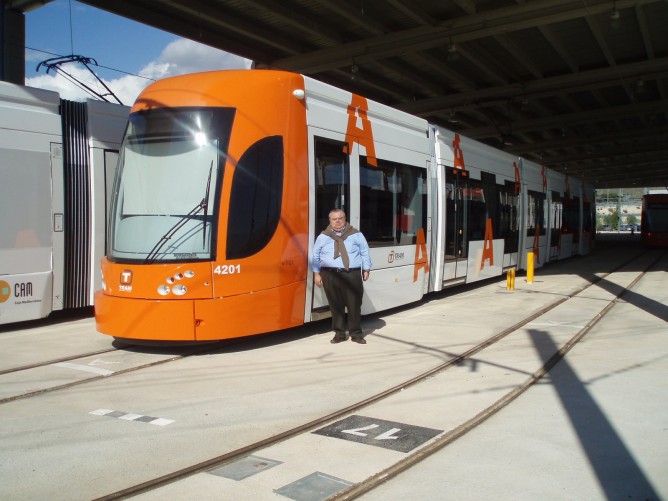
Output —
(98, 65)
(52, 64)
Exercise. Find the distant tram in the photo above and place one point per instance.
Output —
(57, 158)
(226, 178)
(654, 220)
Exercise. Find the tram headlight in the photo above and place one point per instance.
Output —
(179, 289)
(163, 290)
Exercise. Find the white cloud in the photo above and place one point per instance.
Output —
(179, 57)
(186, 56)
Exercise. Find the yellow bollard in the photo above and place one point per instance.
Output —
(510, 279)
(529, 267)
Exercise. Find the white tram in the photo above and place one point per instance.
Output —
(57, 163)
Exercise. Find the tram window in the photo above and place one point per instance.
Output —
(509, 216)
(655, 217)
(477, 220)
(332, 179)
(451, 251)
(572, 218)
(257, 193)
(456, 236)
(31, 225)
(165, 194)
(557, 217)
(536, 217)
(491, 201)
(392, 202)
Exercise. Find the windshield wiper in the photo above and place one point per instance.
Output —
(152, 256)
(206, 205)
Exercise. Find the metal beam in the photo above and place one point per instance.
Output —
(586, 80)
(457, 30)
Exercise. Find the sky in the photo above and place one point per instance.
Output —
(129, 55)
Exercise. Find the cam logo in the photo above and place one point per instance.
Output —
(126, 281)
(5, 291)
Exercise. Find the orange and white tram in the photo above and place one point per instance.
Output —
(226, 178)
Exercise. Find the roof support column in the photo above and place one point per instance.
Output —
(13, 41)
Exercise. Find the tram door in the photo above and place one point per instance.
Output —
(332, 191)
(456, 215)
(332, 178)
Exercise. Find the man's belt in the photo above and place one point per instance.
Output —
(339, 270)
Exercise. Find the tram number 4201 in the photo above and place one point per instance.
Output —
(227, 269)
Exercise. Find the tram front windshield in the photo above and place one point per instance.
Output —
(657, 217)
(169, 171)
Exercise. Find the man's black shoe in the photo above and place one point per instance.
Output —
(335, 340)
(359, 340)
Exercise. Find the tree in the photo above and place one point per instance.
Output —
(612, 219)
(631, 219)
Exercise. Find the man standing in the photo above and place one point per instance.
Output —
(340, 263)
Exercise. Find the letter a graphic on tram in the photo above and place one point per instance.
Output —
(358, 107)
(488, 247)
(420, 255)
(459, 153)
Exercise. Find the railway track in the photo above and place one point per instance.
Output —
(63, 361)
(449, 437)
(186, 351)
(443, 440)
(55, 361)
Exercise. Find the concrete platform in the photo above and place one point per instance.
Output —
(593, 428)
(596, 428)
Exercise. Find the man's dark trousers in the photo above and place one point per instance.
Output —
(344, 290)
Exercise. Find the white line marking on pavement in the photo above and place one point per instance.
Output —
(556, 324)
(85, 368)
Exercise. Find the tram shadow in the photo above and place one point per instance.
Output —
(617, 472)
(238, 344)
(370, 323)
